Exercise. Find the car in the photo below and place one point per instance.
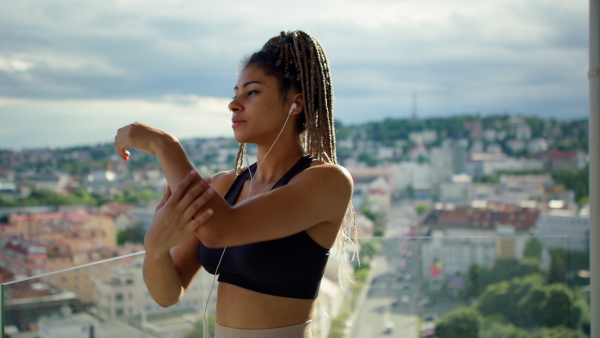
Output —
(426, 302)
(389, 327)
(432, 317)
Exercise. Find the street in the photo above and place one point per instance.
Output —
(389, 305)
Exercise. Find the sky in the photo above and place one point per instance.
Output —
(73, 72)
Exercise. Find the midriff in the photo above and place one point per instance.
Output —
(244, 309)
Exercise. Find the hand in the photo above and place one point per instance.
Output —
(141, 137)
(179, 214)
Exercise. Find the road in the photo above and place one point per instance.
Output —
(389, 306)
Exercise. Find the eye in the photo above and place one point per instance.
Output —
(252, 92)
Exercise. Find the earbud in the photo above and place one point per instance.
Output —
(294, 105)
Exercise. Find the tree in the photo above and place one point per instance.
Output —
(474, 288)
(460, 323)
(558, 266)
(530, 309)
(517, 333)
(133, 234)
(559, 306)
(533, 248)
(198, 330)
(421, 208)
(369, 249)
(515, 300)
(558, 332)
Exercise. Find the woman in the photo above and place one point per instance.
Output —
(269, 237)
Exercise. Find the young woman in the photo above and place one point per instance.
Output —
(266, 230)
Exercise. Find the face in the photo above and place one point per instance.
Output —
(258, 110)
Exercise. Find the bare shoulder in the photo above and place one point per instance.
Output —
(221, 181)
(329, 174)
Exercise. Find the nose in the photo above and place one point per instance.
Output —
(234, 106)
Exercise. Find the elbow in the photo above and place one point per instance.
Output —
(210, 237)
(163, 300)
(165, 303)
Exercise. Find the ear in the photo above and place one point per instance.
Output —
(299, 101)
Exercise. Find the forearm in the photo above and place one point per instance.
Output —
(162, 280)
(173, 160)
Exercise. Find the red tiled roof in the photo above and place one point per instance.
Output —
(507, 214)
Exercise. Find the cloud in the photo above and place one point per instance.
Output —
(60, 123)
(527, 56)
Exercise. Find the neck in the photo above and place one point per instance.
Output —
(273, 162)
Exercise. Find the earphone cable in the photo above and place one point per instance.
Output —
(205, 327)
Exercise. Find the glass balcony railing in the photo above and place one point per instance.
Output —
(494, 286)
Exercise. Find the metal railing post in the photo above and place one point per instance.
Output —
(594, 151)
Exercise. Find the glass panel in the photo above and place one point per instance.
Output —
(56, 305)
(405, 286)
(469, 287)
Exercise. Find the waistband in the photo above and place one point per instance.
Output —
(293, 331)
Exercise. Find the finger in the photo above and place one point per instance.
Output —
(121, 146)
(198, 203)
(165, 198)
(183, 186)
(200, 219)
(194, 192)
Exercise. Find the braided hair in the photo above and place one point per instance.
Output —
(299, 63)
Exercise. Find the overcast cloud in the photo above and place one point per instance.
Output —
(73, 72)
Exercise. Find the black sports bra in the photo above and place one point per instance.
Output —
(290, 267)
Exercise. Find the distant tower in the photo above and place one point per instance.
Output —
(414, 106)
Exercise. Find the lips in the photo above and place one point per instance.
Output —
(236, 121)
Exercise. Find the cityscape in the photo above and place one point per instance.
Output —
(468, 225)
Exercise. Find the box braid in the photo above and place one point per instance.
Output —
(299, 63)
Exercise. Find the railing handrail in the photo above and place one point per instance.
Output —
(74, 267)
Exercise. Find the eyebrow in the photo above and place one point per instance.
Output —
(248, 83)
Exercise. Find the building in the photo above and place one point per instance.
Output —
(24, 258)
(123, 293)
(80, 325)
(555, 159)
(27, 301)
(564, 230)
(459, 190)
(478, 234)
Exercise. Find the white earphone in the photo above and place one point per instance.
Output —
(294, 105)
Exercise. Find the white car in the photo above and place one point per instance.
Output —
(389, 327)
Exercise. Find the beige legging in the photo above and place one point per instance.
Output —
(294, 331)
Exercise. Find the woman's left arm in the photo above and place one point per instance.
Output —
(170, 153)
(320, 194)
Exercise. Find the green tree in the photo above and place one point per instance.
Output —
(421, 208)
(368, 159)
(369, 249)
(517, 333)
(512, 299)
(559, 307)
(460, 323)
(198, 330)
(533, 249)
(493, 328)
(475, 287)
(577, 180)
(530, 309)
(558, 266)
(558, 332)
(133, 234)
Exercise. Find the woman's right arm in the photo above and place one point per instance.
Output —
(172, 260)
